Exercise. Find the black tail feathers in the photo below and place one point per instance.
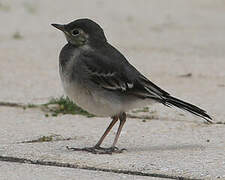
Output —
(172, 101)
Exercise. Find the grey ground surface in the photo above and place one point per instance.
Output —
(37, 172)
(164, 40)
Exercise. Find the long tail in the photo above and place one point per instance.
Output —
(172, 101)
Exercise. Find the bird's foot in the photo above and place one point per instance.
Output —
(98, 150)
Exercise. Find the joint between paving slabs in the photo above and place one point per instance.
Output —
(63, 105)
(75, 166)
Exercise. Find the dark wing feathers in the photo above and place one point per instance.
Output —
(121, 77)
(152, 86)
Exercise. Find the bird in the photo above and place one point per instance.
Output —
(98, 78)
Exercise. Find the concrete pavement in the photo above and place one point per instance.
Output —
(164, 40)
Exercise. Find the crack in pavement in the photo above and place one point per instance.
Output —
(68, 165)
(24, 106)
(11, 104)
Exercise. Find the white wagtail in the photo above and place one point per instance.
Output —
(97, 77)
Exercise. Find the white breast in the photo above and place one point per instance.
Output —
(98, 103)
(101, 103)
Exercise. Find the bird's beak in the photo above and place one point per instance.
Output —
(59, 26)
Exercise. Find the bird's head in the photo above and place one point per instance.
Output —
(82, 31)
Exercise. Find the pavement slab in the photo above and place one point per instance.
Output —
(170, 148)
(37, 172)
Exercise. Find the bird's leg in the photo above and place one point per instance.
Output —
(113, 148)
(97, 149)
(113, 122)
(122, 118)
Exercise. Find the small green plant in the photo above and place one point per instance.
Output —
(17, 35)
(145, 109)
(64, 105)
(30, 7)
(54, 137)
(32, 105)
(4, 7)
(41, 139)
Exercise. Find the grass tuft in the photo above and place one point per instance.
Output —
(145, 109)
(17, 35)
(49, 138)
(64, 105)
(4, 7)
(31, 8)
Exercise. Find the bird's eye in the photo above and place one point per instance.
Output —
(75, 32)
